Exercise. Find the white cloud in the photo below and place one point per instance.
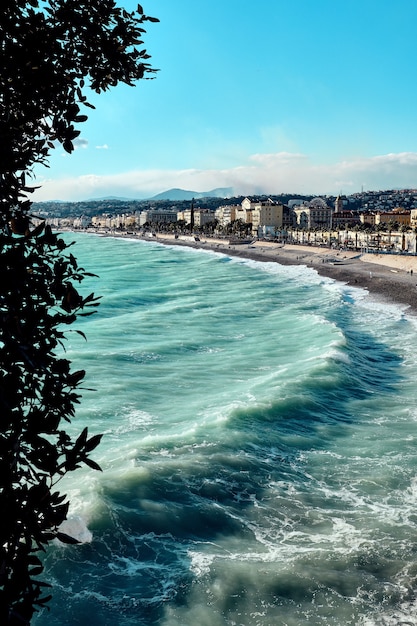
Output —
(275, 173)
(80, 143)
(103, 147)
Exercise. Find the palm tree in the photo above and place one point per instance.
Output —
(403, 229)
(356, 229)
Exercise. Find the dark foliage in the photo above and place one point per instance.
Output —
(47, 52)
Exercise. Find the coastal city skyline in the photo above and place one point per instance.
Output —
(312, 98)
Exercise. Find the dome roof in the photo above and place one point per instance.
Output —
(318, 203)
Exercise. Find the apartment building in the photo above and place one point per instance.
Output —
(262, 214)
(226, 214)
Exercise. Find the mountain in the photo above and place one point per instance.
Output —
(183, 194)
(111, 199)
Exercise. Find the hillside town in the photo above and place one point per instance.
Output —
(384, 221)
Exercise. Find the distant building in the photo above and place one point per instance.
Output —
(267, 218)
(101, 221)
(343, 219)
(367, 218)
(289, 218)
(201, 216)
(225, 214)
(155, 216)
(394, 218)
(244, 211)
(107, 220)
(296, 202)
(314, 214)
(82, 222)
(399, 217)
(264, 215)
(338, 205)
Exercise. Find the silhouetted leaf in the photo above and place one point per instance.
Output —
(64, 538)
(38, 230)
(92, 443)
(74, 378)
(68, 146)
(48, 51)
(92, 464)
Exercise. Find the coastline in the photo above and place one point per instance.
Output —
(388, 277)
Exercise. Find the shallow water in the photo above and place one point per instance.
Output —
(259, 453)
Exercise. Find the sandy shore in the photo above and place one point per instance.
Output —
(389, 277)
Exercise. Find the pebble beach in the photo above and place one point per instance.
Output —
(392, 277)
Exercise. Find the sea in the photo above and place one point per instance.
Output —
(259, 457)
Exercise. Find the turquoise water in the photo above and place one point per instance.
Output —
(259, 457)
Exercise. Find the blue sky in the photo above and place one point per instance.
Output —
(273, 96)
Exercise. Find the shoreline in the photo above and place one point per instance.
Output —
(389, 277)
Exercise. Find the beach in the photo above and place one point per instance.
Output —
(392, 277)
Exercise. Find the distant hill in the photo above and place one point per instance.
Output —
(183, 194)
(110, 199)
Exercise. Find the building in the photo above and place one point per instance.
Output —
(345, 219)
(392, 219)
(101, 221)
(157, 216)
(200, 216)
(368, 218)
(225, 214)
(267, 218)
(338, 205)
(82, 222)
(119, 221)
(397, 217)
(314, 214)
(244, 211)
(289, 219)
(264, 215)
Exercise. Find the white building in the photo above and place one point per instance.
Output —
(155, 216)
(226, 214)
(314, 214)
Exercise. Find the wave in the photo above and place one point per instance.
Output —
(259, 462)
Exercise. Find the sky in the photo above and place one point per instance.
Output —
(267, 97)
